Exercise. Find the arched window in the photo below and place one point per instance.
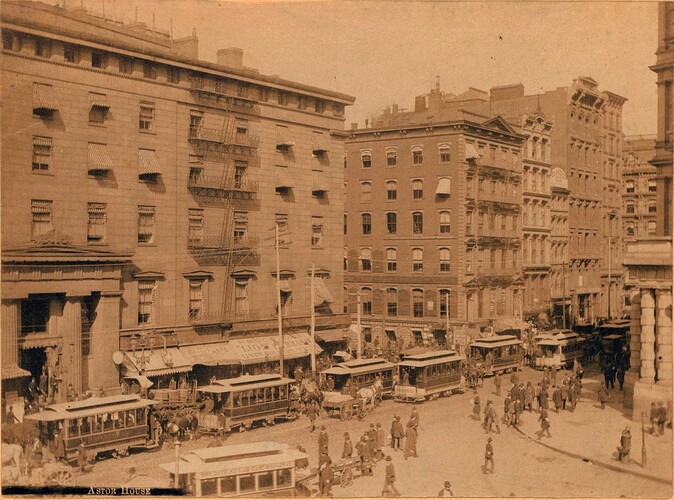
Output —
(417, 222)
(652, 207)
(651, 227)
(417, 155)
(391, 157)
(417, 259)
(445, 297)
(417, 189)
(391, 190)
(391, 222)
(445, 260)
(365, 259)
(445, 222)
(445, 153)
(391, 259)
(366, 159)
(418, 303)
(366, 191)
(366, 222)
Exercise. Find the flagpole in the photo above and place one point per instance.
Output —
(313, 321)
(278, 302)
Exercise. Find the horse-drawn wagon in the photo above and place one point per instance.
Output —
(343, 406)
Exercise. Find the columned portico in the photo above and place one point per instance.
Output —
(102, 371)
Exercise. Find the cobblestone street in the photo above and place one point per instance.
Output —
(573, 462)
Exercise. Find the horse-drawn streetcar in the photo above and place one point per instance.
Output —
(428, 375)
(497, 353)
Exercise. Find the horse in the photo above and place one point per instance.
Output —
(12, 458)
(369, 396)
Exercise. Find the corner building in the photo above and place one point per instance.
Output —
(141, 191)
(433, 229)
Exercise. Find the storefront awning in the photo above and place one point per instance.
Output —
(321, 293)
(148, 163)
(142, 380)
(156, 363)
(11, 371)
(444, 186)
(335, 335)
(250, 350)
(99, 158)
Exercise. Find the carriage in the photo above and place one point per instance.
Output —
(558, 348)
(113, 423)
(246, 400)
(343, 406)
(428, 375)
(361, 374)
(497, 354)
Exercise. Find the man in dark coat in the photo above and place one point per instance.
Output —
(82, 459)
(603, 395)
(544, 419)
(326, 477)
(488, 456)
(389, 479)
(59, 447)
(312, 413)
(323, 441)
(411, 440)
(497, 383)
(347, 451)
(397, 433)
(557, 398)
(625, 445)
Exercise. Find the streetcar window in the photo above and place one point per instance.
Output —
(119, 420)
(209, 487)
(72, 427)
(283, 478)
(140, 416)
(275, 393)
(283, 392)
(265, 481)
(85, 428)
(130, 419)
(247, 483)
(227, 485)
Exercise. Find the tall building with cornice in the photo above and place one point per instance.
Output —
(141, 191)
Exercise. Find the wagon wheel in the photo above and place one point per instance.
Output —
(347, 477)
(348, 412)
(60, 477)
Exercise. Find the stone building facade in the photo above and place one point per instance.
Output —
(141, 192)
(640, 204)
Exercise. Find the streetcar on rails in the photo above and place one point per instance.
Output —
(428, 376)
(246, 470)
(112, 423)
(360, 374)
(497, 354)
(558, 348)
(244, 401)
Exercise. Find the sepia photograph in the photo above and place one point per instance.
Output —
(336, 248)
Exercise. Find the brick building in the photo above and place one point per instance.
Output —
(640, 206)
(433, 228)
(141, 192)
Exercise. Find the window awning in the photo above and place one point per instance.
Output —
(284, 285)
(320, 146)
(156, 363)
(471, 152)
(283, 180)
(44, 99)
(319, 183)
(335, 335)
(250, 350)
(444, 186)
(148, 163)
(321, 293)
(11, 371)
(99, 158)
(282, 140)
(98, 101)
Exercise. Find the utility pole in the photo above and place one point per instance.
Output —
(177, 473)
(451, 343)
(360, 332)
(564, 295)
(643, 441)
(313, 322)
(609, 278)
(278, 302)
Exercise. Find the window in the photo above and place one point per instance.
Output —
(391, 157)
(417, 189)
(240, 168)
(173, 75)
(197, 298)
(146, 116)
(126, 65)
(417, 222)
(391, 190)
(240, 226)
(71, 53)
(98, 110)
(629, 208)
(366, 223)
(42, 148)
(366, 301)
(391, 302)
(445, 260)
(317, 232)
(417, 259)
(444, 303)
(146, 299)
(282, 98)
(417, 156)
(97, 222)
(445, 222)
(366, 160)
(391, 259)
(469, 261)
(319, 106)
(263, 94)
(365, 191)
(149, 70)
(41, 217)
(99, 60)
(480, 185)
(146, 222)
(629, 186)
(651, 227)
(652, 207)
(195, 230)
(652, 186)
(365, 259)
(12, 41)
(418, 303)
(346, 220)
(630, 231)
(445, 155)
(391, 222)
(241, 304)
(42, 47)
(283, 229)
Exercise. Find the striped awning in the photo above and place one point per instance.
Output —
(321, 293)
(157, 362)
(319, 183)
(11, 371)
(444, 186)
(44, 98)
(283, 180)
(98, 101)
(99, 158)
(471, 152)
(148, 163)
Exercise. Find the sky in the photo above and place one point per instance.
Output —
(384, 52)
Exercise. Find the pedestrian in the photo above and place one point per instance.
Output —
(543, 398)
(414, 417)
(411, 440)
(347, 449)
(544, 419)
(654, 418)
(662, 417)
(32, 389)
(36, 453)
(620, 373)
(511, 414)
(476, 406)
(565, 394)
(557, 398)
(323, 441)
(514, 378)
(572, 395)
(519, 408)
(506, 409)
(365, 456)
(553, 373)
(490, 418)
(59, 447)
(529, 396)
(446, 491)
(82, 460)
(488, 456)
(603, 395)
(389, 478)
(497, 383)
(379, 441)
(397, 433)
(326, 477)
(625, 445)
(312, 413)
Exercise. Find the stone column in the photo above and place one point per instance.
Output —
(71, 354)
(103, 373)
(663, 335)
(647, 336)
(635, 332)
(11, 323)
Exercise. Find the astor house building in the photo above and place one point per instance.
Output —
(142, 189)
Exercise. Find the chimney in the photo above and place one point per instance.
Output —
(354, 125)
(187, 46)
(231, 57)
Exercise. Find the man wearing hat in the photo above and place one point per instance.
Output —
(488, 456)
(390, 478)
(323, 441)
(397, 433)
(446, 491)
(411, 440)
(348, 447)
(625, 445)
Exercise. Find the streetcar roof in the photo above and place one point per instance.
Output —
(557, 337)
(430, 358)
(622, 323)
(496, 341)
(357, 366)
(233, 458)
(245, 383)
(613, 336)
(89, 407)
